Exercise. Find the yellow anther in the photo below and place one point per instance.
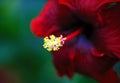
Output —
(53, 43)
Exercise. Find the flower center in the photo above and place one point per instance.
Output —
(53, 43)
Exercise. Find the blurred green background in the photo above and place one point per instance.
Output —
(22, 57)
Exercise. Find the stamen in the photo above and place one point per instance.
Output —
(53, 43)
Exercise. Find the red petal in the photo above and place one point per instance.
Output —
(63, 61)
(109, 77)
(86, 9)
(89, 8)
(96, 53)
(54, 19)
(45, 23)
(69, 3)
(110, 28)
(76, 56)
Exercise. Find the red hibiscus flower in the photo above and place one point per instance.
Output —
(92, 32)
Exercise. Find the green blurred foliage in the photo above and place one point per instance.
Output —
(21, 52)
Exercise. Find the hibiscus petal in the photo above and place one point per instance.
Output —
(63, 59)
(82, 60)
(69, 3)
(54, 19)
(109, 77)
(110, 28)
(86, 9)
(42, 25)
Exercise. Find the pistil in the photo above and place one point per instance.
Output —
(53, 43)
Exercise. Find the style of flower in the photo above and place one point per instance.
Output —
(91, 29)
